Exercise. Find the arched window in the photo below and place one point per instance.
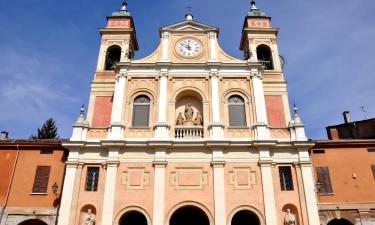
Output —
(113, 56)
(265, 56)
(141, 111)
(236, 108)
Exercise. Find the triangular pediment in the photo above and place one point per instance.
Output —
(189, 25)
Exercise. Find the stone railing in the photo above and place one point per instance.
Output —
(188, 133)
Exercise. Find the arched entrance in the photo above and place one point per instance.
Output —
(133, 218)
(339, 222)
(245, 217)
(33, 222)
(188, 215)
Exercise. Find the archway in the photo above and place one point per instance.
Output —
(133, 218)
(188, 215)
(339, 222)
(33, 222)
(245, 217)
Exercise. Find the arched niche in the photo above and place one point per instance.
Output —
(112, 57)
(293, 209)
(184, 100)
(264, 55)
(188, 215)
(133, 217)
(85, 211)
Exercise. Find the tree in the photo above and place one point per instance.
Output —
(47, 131)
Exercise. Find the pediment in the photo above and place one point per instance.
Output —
(189, 25)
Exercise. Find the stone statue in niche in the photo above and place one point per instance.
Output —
(189, 112)
(198, 119)
(180, 119)
(290, 218)
(89, 218)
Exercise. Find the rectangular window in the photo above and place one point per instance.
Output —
(324, 180)
(141, 115)
(286, 179)
(41, 179)
(371, 149)
(319, 151)
(373, 170)
(46, 151)
(92, 179)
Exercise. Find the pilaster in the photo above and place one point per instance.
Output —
(267, 185)
(117, 127)
(165, 49)
(160, 164)
(67, 194)
(110, 187)
(216, 127)
(218, 164)
(308, 184)
(162, 127)
(77, 182)
(261, 128)
(213, 48)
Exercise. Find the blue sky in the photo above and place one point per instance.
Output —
(48, 53)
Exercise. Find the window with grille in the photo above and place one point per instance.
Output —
(324, 180)
(141, 111)
(41, 179)
(373, 170)
(286, 179)
(92, 179)
(236, 108)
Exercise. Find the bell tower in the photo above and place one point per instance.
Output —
(259, 44)
(118, 40)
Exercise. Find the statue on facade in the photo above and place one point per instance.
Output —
(89, 218)
(189, 112)
(180, 119)
(198, 119)
(290, 218)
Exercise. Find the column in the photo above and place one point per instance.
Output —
(309, 187)
(213, 54)
(216, 128)
(159, 187)
(109, 193)
(162, 126)
(165, 49)
(219, 187)
(268, 188)
(67, 195)
(117, 127)
(261, 129)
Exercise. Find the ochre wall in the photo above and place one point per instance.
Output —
(102, 111)
(21, 190)
(343, 162)
(275, 110)
(7, 159)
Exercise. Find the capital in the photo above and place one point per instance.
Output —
(212, 35)
(165, 35)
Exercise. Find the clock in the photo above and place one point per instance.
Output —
(188, 47)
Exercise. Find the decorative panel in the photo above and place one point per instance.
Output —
(189, 178)
(242, 178)
(135, 178)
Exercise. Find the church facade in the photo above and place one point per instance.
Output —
(188, 134)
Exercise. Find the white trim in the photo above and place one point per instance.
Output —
(67, 195)
(109, 194)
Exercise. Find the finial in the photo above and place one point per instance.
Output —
(296, 119)
(189, 14)
(253, 5)
(124, 6)
(82, 109)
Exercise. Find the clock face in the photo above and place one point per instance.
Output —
(188, 47)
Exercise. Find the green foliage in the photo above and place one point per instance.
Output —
(47, 131)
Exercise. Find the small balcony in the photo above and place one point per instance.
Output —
(188, 133)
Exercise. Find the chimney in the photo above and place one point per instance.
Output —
(4, 135)
(347, 117)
